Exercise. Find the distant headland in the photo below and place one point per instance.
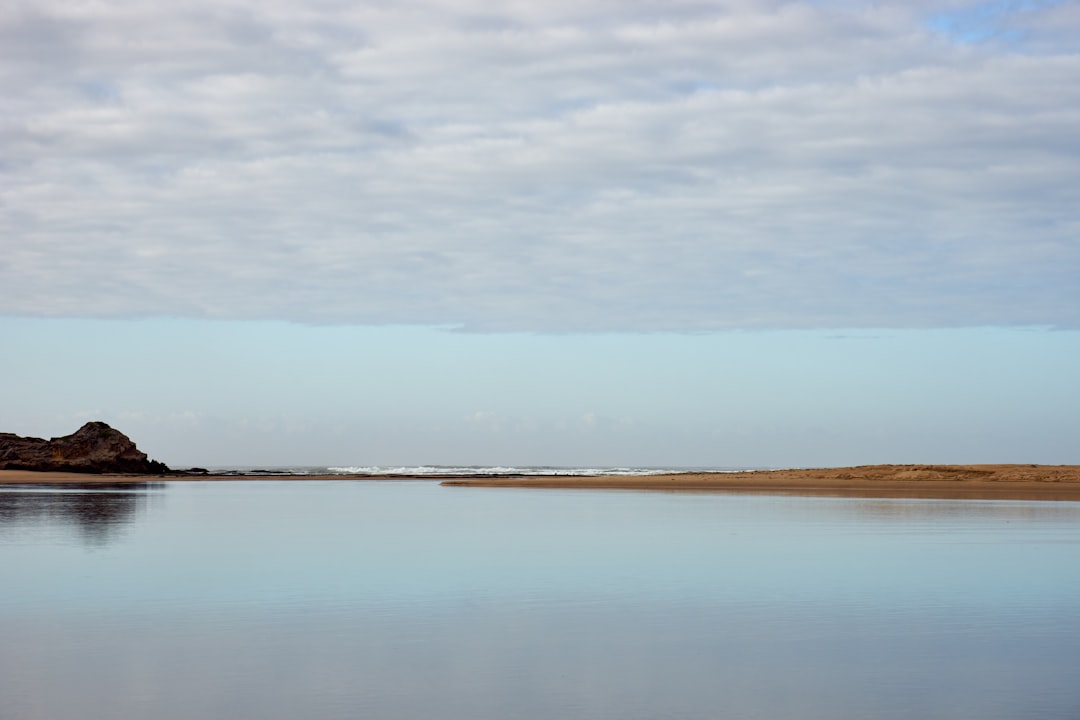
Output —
(94, 448)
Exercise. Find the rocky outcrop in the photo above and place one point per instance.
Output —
(93, 448)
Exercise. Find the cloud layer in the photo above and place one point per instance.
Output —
(575, 166)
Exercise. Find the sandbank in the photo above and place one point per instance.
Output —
(1000, 482)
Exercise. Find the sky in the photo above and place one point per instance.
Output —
(746, 233)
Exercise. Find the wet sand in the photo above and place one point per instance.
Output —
(1012, 482)
(23, 477)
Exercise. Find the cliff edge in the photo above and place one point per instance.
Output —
(93, 448)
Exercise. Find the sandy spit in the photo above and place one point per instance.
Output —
(1013, 482)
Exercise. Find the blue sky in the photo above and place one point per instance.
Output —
(197, 392)
(681, 233)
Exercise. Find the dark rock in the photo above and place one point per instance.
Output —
(93, 448)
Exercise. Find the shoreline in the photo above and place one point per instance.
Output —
(980, 482)
(975, 482)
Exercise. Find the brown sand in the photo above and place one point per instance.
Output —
(1013, 482)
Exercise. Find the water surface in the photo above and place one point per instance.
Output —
(397, 599)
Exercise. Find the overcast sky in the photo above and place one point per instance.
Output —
(498, 188)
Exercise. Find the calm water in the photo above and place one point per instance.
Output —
(390, 600)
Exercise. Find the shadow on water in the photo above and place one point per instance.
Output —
(98, 512)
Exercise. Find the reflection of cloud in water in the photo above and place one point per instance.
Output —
(97, 511)
(908, 510)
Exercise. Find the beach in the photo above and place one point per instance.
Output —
(989, 482)
(1001, 482)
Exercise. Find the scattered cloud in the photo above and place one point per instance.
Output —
(586, 423)
(487, 420)
(585, 166)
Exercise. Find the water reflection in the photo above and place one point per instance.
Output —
(930, 510)
(275, 600)
(98, 512)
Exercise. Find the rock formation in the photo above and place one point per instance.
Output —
(93, 448)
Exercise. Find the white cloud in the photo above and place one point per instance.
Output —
(487, 420)
(565, 167)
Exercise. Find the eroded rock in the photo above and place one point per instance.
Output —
(93, 448)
